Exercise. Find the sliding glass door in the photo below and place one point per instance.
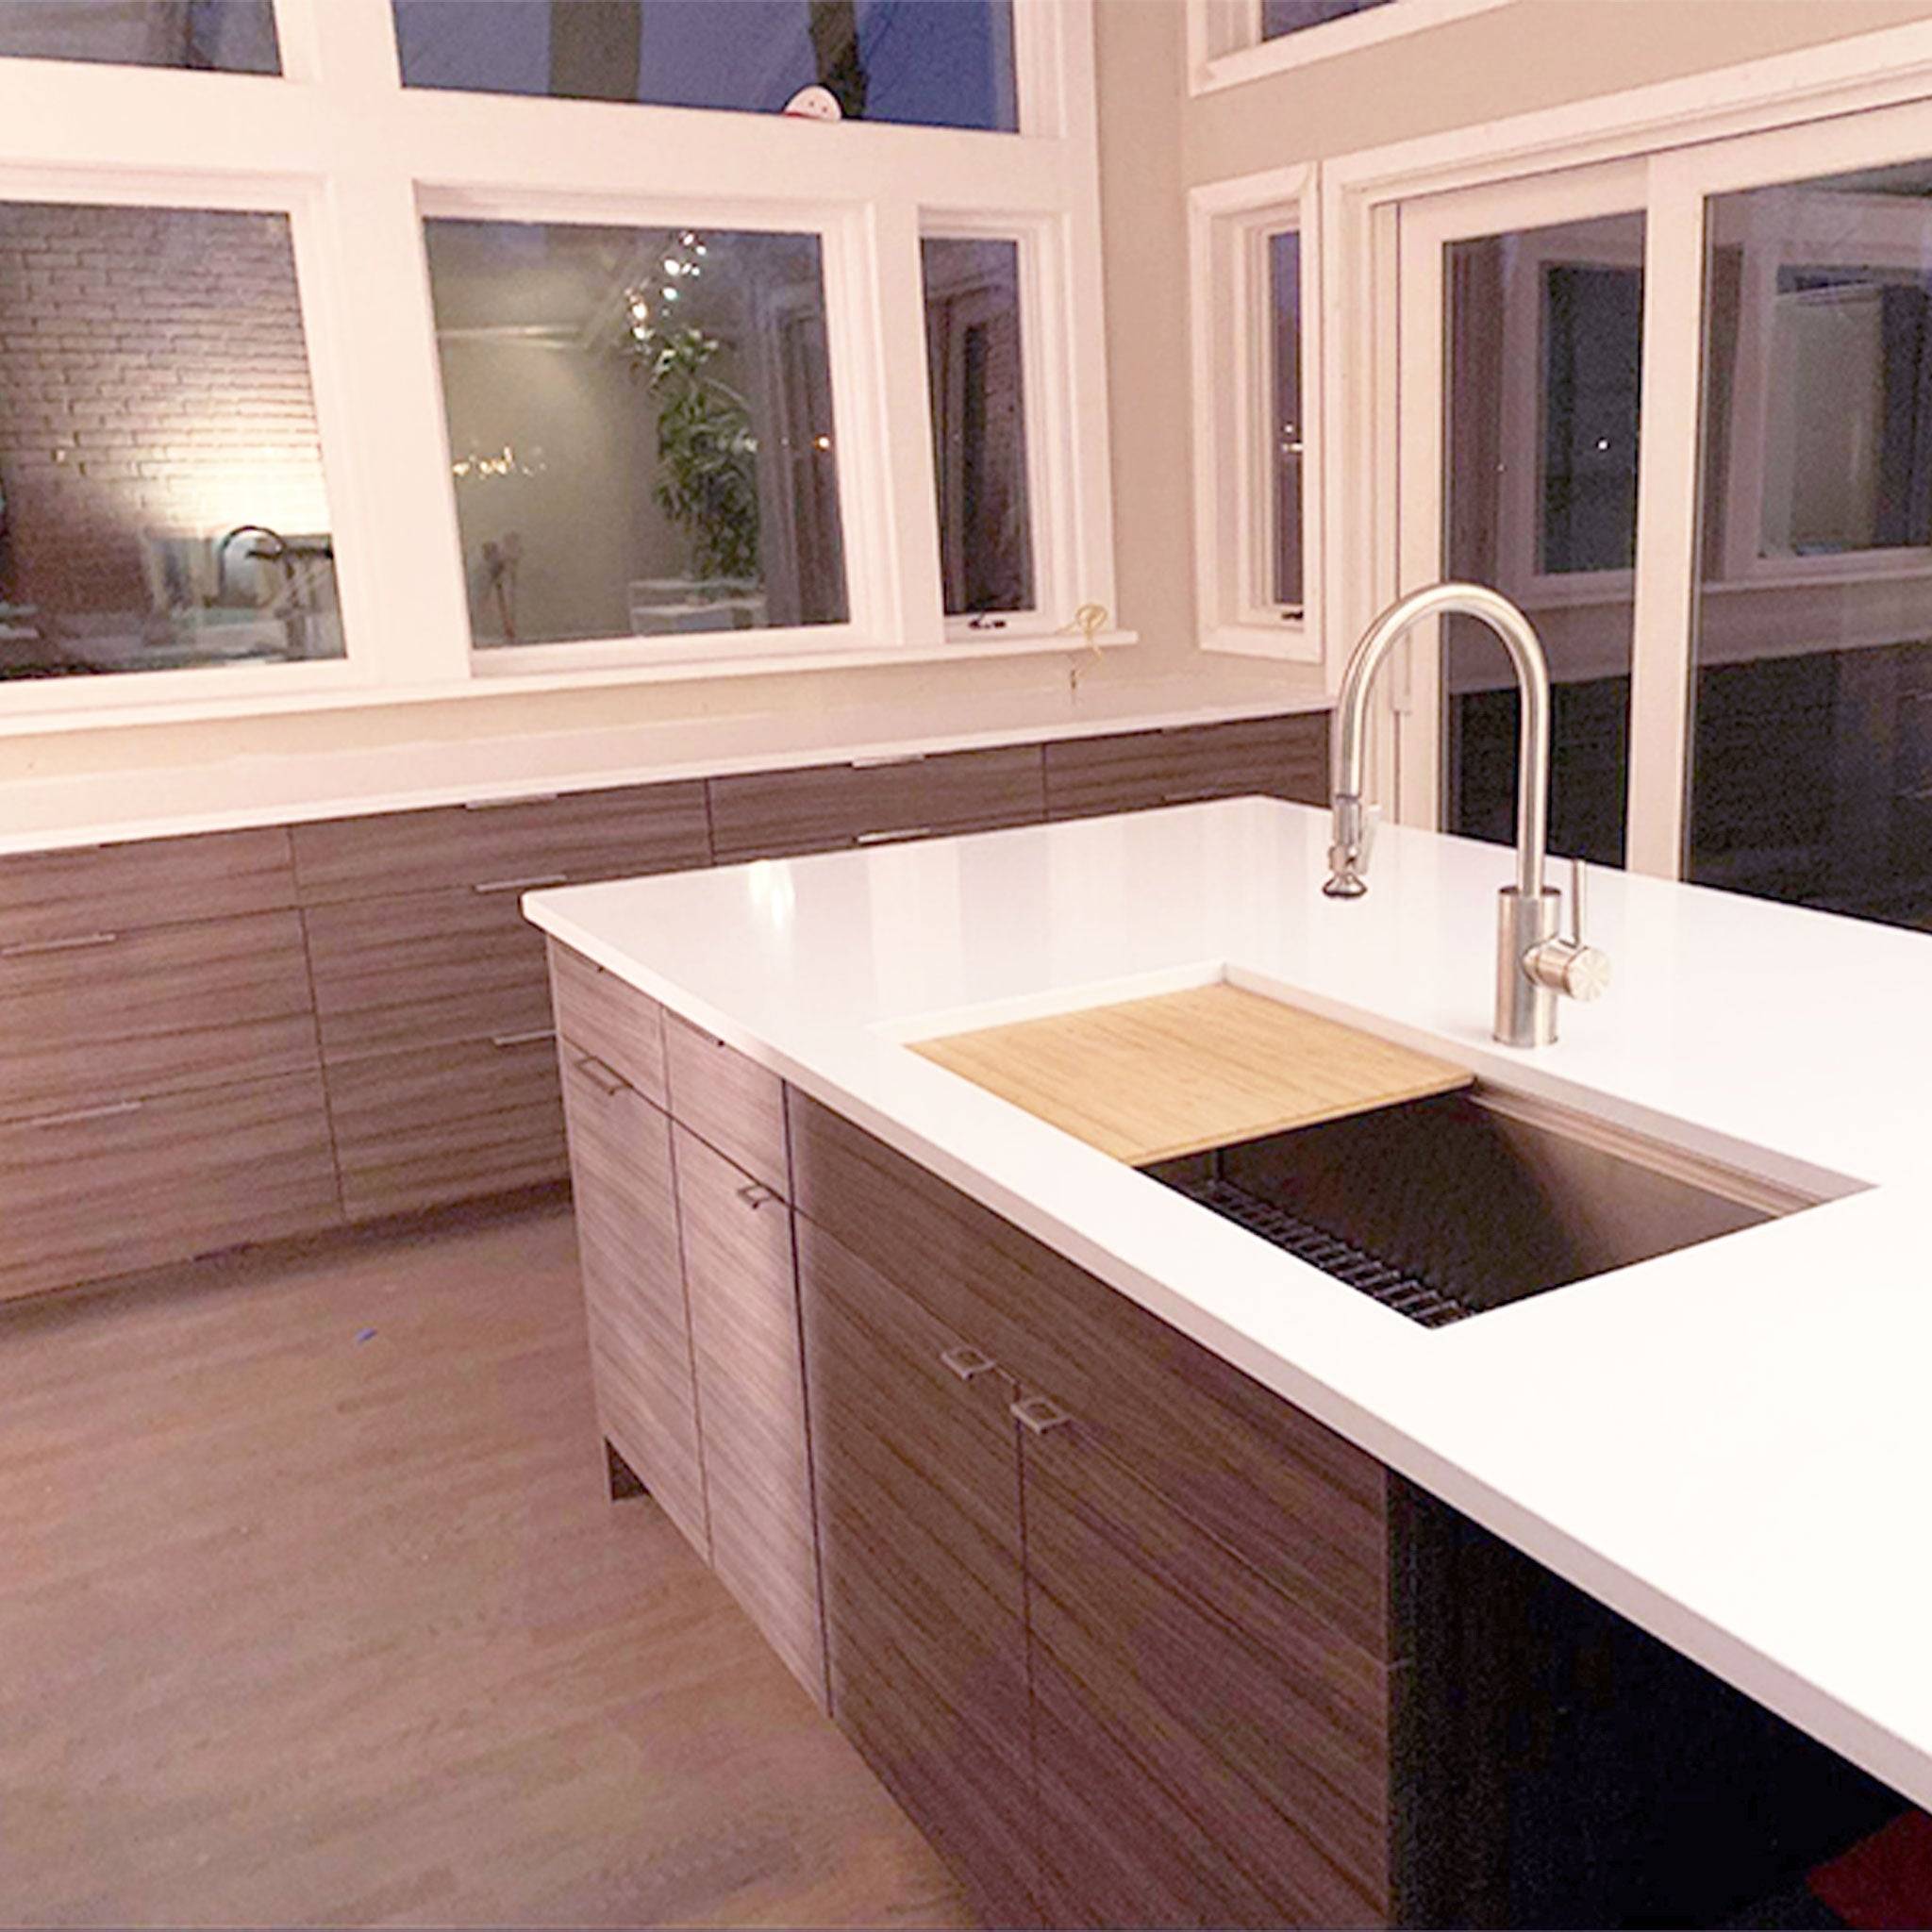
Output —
(1679, 408)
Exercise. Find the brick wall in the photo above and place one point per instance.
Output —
(154, 384)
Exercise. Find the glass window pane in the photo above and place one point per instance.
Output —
(1811, 746)
(1285, 310)
(937, 63)
(1545, 353)
(162, 498)
(235, 36)
(974, 369)
(640, 428)
(1280, 17)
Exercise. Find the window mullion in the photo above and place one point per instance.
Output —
(1667, 516)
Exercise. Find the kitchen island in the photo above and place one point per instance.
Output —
(1720, 1443)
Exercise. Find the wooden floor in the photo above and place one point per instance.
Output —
(313, 1610)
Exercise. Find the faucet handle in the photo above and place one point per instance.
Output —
(1568, 965)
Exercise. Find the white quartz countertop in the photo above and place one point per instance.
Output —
(1730, 1444)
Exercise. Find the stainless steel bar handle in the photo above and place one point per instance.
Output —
(498, 804)
(601, 1074)
(111, 1111)
(897, 832)
(26, 948)
(529, 1039)
(966, 1362)
(522, 885)
(890, 757)
(1038, 1414)
(756, 1193)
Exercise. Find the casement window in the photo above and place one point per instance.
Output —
(1255, 278)
(368, 351)
(1660, 369)
(1230, 41)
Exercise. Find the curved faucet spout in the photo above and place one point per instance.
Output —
(1347, 855)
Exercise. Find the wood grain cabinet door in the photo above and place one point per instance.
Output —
(920, 1546)
(751, 1400)
(628, 1241)
(1210, 1752)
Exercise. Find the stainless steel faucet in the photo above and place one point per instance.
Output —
(1533, 964)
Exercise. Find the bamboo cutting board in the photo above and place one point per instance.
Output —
(1149, 1080)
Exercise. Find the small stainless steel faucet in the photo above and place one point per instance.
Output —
(1533, 964)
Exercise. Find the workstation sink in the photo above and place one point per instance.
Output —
(1450, 1205)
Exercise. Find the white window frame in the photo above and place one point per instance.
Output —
(1225, 48)
(357, 160)
(1856, 102)
(1231, 344)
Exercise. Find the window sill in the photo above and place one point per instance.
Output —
(156, 709)
(1285, 643)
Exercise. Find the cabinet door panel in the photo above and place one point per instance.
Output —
(147, 1013)
(137, 1185)
(952, 792)
(416, 1129)
(424, 969)
(751, 1400)
(581, 836)
(627, 1219)
(729, 1101)
(783, 814)
(1296, 1500)
(51, 896)
(1245, 1728)
(599, 1014)
(919, 1548)
(1277, 758)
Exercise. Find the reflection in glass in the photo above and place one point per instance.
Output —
(233, 36)
(1811, 747)
(977, 383)
(1285, 309)
(937, 63)
(1544, 355)
(640, 429)
(162, 498)
(1280, 17)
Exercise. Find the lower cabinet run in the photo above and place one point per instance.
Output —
(1132, 1639)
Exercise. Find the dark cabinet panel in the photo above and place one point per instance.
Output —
(599, 1014)
(729, 1100)
(138, 1183)
(919, 1548)
(1211, 1753)
(1279, 757)
(150, 1013)
(88, 890)
(424, 969)
(633, 1267)
(751, 1400)
(505, 848)
(828, 807)
(445, 1123)
(1295, 1500)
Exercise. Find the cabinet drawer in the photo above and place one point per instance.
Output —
(599, 1014)
(751, 1400)
(824, 807)
(415, 1129)
(424, 969)
(588, 834)
(1205, 1728)
(917, 1473)
(1279, 757)
(628, 1241)
(141, 1183)
(1301, 1504)
(147, 1013)
(730, 1101)
(122, 888)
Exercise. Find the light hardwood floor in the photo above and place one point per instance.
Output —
(312, 1610)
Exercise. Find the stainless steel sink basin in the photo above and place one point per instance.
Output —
(1447, 1207)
